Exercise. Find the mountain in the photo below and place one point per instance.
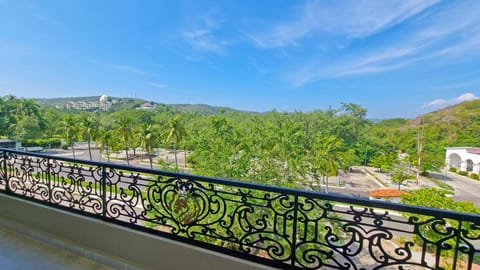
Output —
(457, 125)
(63, 100)
(202, 108)
(123, 103)
(463, 114)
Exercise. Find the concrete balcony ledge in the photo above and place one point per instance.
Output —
(20, 252)
(40, 231)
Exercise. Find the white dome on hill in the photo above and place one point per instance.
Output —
(103, 98)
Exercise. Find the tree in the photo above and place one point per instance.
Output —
(148, 139)
(28, 128)
(435, 231)
(326, 157)
(384, 160)
(174, 133)
(104, 140)
(400, 173)
(69, 130)
(124, 126)
(4, 117)
(88, 127)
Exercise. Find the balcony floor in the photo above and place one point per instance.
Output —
(18, 252)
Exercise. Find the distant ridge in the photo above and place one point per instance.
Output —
(122, 103)
(462, 114)
(63, 100)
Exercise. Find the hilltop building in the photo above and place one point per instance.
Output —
(102, 104)
(463, 158)
(147, 106)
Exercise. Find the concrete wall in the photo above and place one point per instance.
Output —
(464, 156)
(113, 245)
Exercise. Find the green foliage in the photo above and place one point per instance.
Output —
(124, 128)
(429, 197)
(464, 173)
(400, 173)
(50, 142)
(290, 149)
(474, 176)
(436, 198)
(27, 128)
(453, 169)
(123, 104)
(384, 160)
(20, 119)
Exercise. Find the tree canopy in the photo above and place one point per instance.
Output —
(280, 148)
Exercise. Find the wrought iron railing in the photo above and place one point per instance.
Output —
(284, 228)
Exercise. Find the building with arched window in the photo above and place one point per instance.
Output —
(463, 158)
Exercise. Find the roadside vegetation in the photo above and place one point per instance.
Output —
(275, 148)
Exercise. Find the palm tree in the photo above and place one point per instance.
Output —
(124, 128)
(175, 131)
(4, 117)
(103, 140)
(30, 107)
(147, 138)
(69, 128)
(88, 128)
(327, 158)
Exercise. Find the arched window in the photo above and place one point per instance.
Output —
(469, 165)
(455, 160)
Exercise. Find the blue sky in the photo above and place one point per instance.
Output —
(397, 58)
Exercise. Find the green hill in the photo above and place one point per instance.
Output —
(122, 103)
(457, 125)
(462, 114)
(63, 100)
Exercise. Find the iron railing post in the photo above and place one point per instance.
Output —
(103, 183)
(458, 231)
(299, 219)
(7, 186)
(294, 232)
(49, 183)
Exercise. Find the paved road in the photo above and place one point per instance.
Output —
(97, 157)
(466, 189)
(356, 184)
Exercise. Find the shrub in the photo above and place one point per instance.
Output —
(453, 169)
(425, 173)
(464, 173)
(474, 176)
(50, 142)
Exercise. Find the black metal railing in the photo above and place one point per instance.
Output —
(284, 228)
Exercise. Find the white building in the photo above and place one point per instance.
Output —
(463, 158)
(101, 105)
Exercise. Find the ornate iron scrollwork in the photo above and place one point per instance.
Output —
(285, 228)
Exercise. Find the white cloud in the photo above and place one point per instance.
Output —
(375, 62)
(433, 36)
(467, 97)
(436, 102)
(204, 40)
(204, 36)
(351, 19)
(159, 85)
(447, 102)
